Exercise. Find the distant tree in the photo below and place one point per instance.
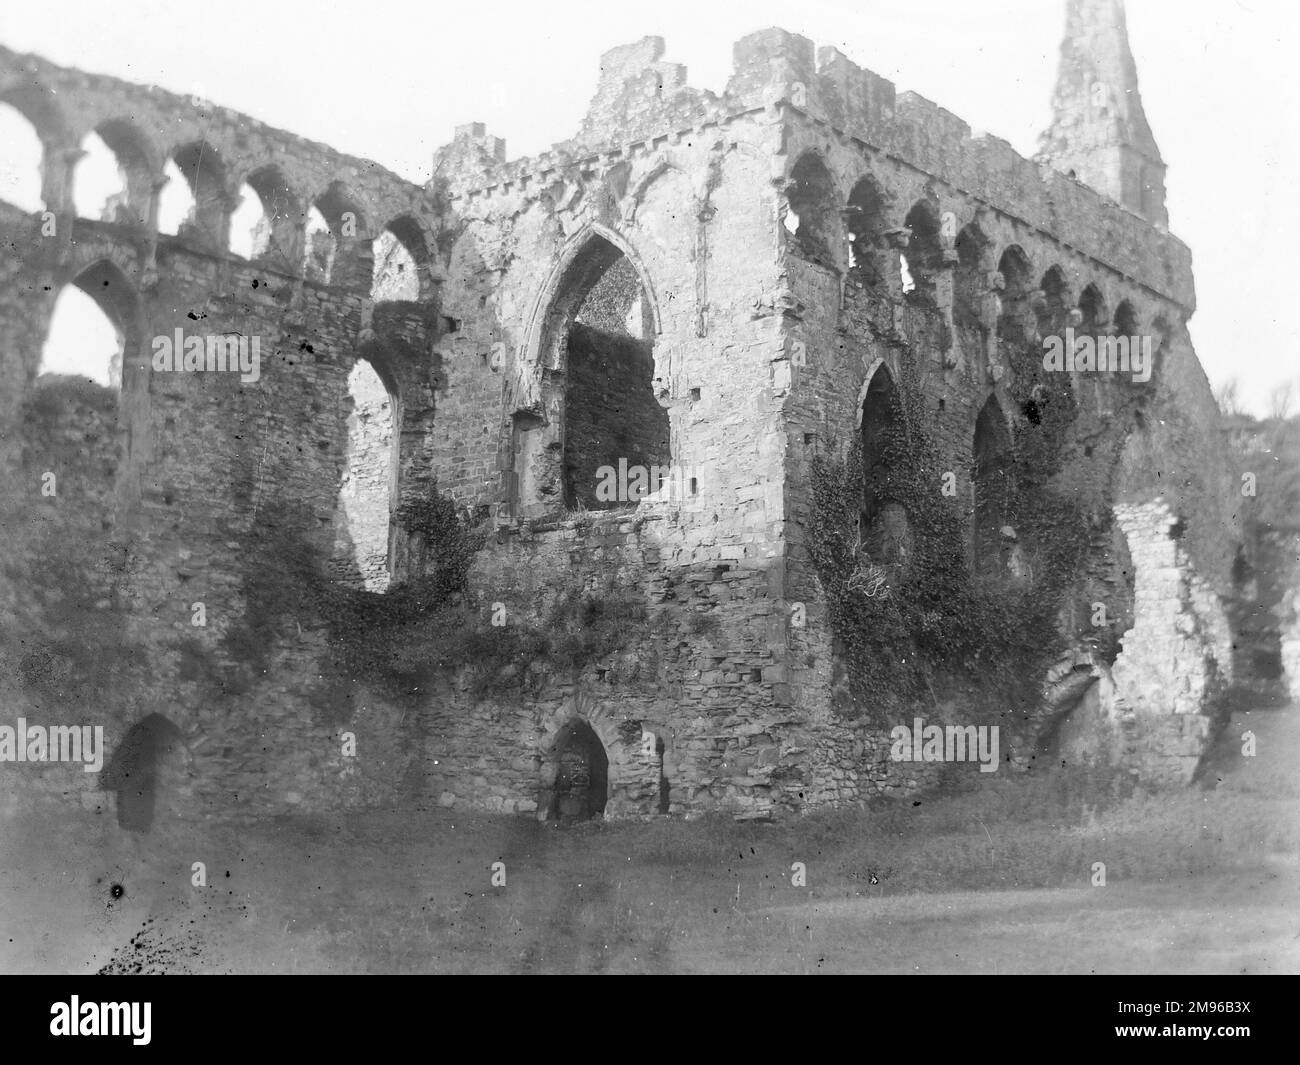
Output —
(1280, 401)
(1228, 396)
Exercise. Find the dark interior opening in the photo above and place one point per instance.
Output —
(144, 771)
(884, 524)
(582, 774)
(616, 433)
(991, 474)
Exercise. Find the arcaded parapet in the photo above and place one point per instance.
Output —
(643, 103)
(138, 594)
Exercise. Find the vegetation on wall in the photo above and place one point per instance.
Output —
(424, 631)
(65, 641)
(934, 627)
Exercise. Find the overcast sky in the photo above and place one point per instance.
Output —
(389, 80)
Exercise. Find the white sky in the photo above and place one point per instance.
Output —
(389, 79)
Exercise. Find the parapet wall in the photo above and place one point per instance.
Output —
(644, 105)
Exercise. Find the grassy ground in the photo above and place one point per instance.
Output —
(992, 881)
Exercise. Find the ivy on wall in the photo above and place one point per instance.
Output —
(934, 629)
(426, 630)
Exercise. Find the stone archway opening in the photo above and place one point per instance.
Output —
(581, 766)
(991, 480)
(363, 511)
(85, 339)
(598, 438)
(149, 772)
(884, 527)
(812, 216)
(114, 179)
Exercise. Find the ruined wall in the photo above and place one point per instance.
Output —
(759, 296)
(194, 473)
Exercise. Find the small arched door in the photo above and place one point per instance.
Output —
(147, 770)
(581, 774)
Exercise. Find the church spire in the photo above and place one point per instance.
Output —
(1099, 132)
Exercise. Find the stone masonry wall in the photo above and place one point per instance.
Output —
(1178, 652)
(760, 353)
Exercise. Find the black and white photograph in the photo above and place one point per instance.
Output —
(650, 489)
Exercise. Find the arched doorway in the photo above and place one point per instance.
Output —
(581, 774)
(148, 771)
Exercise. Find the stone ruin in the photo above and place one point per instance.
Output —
(698, 293)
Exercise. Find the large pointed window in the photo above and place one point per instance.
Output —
(86, 338)
(991, 475)
(884, 529)
(364, 511)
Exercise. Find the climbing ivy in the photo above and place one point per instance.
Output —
(424, 631)
(933, 629)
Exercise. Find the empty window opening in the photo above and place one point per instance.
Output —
(616, 433)
(396, 276)
(1014, 290)
(1092, 311)
(264, 226)
(192, 204)
(21, 156)
(971, 283)
(149, 772)
(1052, 305)
(1126, 324)
(113, 182)
(884, 530)
(87, 335)
(812, 215)
(581, 768)
(338, 251)
(321, 248)
(99, 181)
(363, 512)
(991, 475)
(175, 201)
(865, 217)
(920, 267)
(250, 231)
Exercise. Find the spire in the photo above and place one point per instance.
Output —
(1099, 132)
